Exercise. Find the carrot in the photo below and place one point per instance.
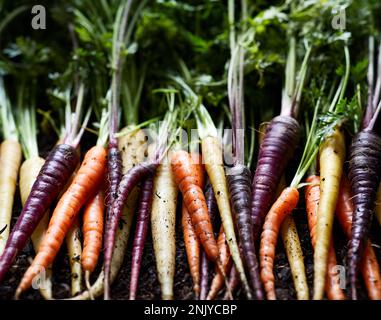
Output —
(292, 245)
(186, 177)
(369, 266)
(239, 176)
(132, 147)
(10, 161)
(279, 142)
(163, 219)
(192, 248)
(73, 243)
(294, 253)
(142, 224)
(204, 276)
(224, 257)
(84, 185)
(312, 196)
(282, 207)
(28, 172)
(364, 174)
(377, 209)
(212, 155)
(213, 160)
(332, 156)
(54, 174)
(191, 239)
(129, 180)
(93, 216)
(121, 242)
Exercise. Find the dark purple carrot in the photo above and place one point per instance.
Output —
(365, 172)
(204, 276)
(54, 174)
(279, 144)
(239, 183)
(364, 175)
(126, 185)
(142, 224)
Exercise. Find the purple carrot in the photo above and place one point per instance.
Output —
(140, 233)
(53, 176)
(211, 204)
(365, 171)
(114, 174)
(233, 282)
(364, 175)
(279, 144)
(239, 183)
(126, 185)
(280, 140)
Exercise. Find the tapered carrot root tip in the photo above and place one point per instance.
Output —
(279, 143)
(145, 203)
(364, 176)
(88, 286)
(239, 183)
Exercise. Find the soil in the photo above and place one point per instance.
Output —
(149, 285)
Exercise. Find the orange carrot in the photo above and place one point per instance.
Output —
(312, 195)
(226, 262)
(192, 244)
(88, 178)
(192, 248)
(92, 232)
(282, 207)
(369, 266)
(186, 177)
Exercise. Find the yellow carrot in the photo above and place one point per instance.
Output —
(74, 246)
(28, 173)
(10, 161)
(212, 158)
(295, 258)
(163, 219)
(332, 156)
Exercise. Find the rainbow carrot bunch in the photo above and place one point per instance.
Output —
(155, 106)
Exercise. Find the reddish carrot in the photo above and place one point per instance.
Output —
(282, 207)
(187, 179)
(312, 195)
(369, 266)
(192, 248)
(88, 178)
(92, 233)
